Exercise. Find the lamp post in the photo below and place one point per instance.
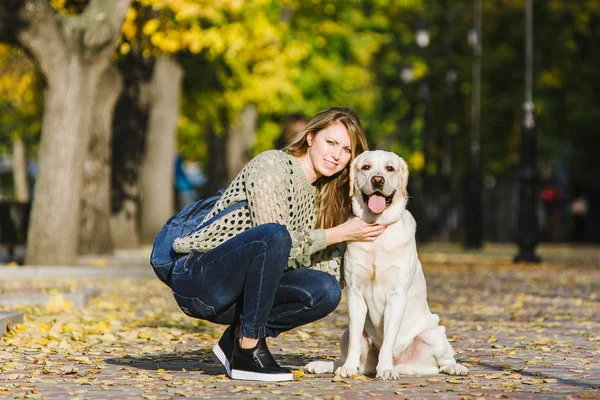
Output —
(473, 201)
(422, 39)
(528, 230)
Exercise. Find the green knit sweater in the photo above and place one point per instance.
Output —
(276, 190)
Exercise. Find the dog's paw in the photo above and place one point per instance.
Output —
(455, 369)
(387, 374)
(346, 372)
(319, 367)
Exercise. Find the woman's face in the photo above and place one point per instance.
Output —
(329, 150)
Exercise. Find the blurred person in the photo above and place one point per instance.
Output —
(552, 199)
(269, 266)
(32, 173)
(186, 193)
(292, 125)
(579, 210)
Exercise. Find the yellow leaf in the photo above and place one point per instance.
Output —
(125, 48)
(303, 335)
(150, 27)
(58, 303)
(64, 345)
(108, 338)
(298, 373)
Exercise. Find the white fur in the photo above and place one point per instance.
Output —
(391, 330)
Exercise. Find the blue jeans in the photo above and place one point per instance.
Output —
(243, 282)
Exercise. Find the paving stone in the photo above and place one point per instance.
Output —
(8, 317)
(79, 299)
(71, 272)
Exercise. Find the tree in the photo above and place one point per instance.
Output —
(72, 52)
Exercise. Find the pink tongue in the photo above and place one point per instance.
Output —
(377, 204)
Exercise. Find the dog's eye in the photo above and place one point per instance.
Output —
(389, 168)
(366, 167)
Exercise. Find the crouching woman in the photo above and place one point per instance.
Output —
(269, 266)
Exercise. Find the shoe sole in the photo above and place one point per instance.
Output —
(256, 376)
(221, 356)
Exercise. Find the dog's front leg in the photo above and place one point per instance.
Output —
(395, 305)
(357, 312)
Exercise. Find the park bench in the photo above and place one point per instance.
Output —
(14, 221)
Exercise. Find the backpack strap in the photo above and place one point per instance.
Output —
(222, 213)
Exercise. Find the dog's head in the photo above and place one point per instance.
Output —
(378, 181)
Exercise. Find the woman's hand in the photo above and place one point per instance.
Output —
(354, 229)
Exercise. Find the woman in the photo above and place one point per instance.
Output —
(264, 268)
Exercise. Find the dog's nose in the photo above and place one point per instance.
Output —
(378, 181)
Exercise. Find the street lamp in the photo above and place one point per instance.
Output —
(406, 74)
(473, 203)
(528, 230)
(422, 36)
(422, 39)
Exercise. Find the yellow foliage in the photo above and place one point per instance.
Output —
(129, 28)
(416, 161)
(420, 69)
(17, 77)
(20, 97)
(58, 4)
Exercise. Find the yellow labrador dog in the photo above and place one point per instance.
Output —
(391, 330)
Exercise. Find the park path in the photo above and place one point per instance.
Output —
(524, 331)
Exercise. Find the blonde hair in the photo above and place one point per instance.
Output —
(333, 202)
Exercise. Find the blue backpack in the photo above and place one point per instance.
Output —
(181, 224)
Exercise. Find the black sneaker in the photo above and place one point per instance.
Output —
(224, 348)
(257, 364)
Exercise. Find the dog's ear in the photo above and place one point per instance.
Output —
(404, 167)
(351, 177)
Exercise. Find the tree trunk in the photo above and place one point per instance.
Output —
(216, 167)
(95, 235)
(72, 54)
(54, 223)
(157, 170)
(19, 166)
(240, 139)
(129, 129)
